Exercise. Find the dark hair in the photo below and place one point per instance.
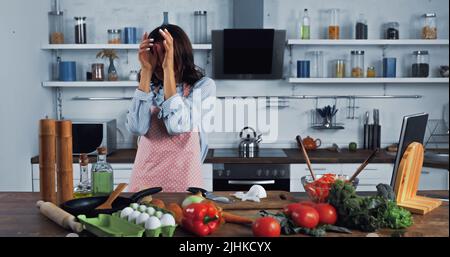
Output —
(185, 69)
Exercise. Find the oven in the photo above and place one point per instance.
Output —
(240, 177)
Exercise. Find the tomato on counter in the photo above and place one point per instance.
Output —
(305, 216)
(266, 227)
(327, 213)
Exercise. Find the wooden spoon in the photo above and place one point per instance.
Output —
(363, 165)
(112, 197)
(305, 154)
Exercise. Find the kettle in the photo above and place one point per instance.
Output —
(249, 145)
(311, 144)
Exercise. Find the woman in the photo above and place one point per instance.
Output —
(173, 144)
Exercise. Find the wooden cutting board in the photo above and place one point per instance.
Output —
(274, 200)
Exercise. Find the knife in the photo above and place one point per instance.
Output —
(209, 195)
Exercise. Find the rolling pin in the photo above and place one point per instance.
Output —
(64, 160)
(47, 156)
(59, 216)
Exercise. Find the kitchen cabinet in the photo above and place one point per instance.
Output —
(433, 179)
(122, 174)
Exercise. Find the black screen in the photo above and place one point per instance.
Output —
(248, 51)
(86, 137)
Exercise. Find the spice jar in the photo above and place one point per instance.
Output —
(429, 29)
(98, 72)
(333, 27)
(392, 30)
(371, 72)
(340, 68)
(56, 23)
(80, 30)
(114, 36)
(357, 64)
(420, 66)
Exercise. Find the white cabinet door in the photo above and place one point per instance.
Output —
(433, 179)
(300, 170)
(371, 176)
(207, 175)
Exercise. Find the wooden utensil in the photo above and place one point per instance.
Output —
(59, 216)
(363, 165)
(305, 154)
(112, 197)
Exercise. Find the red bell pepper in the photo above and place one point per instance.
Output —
(202, 219)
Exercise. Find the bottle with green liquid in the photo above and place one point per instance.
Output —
(83, 189)
(305, 26)
(102, 175)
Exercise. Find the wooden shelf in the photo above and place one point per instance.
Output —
(370, 42)
(90, 84)
(369, 80)
(108, 46)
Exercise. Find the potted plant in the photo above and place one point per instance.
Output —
(111, 55)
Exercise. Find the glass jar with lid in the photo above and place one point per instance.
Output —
(102, 174)
(114, 36)
(316, 62)
(334, 26)
(361, 28)
(56, 27)
(339, 71)
(429, 28)
(392, 30)
(357, 61)
(200, 27)
(421, 66)
(80, 30)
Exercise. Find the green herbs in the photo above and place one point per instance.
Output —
(367, 213)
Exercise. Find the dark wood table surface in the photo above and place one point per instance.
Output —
(19, 217)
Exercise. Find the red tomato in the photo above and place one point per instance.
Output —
(305, 216)
(327, 213)
(266, 227)
(290, 207)
(308, 203)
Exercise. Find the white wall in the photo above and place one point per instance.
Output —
(22, 100)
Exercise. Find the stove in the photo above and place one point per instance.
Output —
(262, 153)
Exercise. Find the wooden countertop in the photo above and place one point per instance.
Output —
(293, 156)
(20, 218)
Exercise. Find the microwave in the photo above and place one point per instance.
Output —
(87, 135)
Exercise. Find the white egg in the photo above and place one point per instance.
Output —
(133, 216)
(126, 212)
(142, 208)
(134, 206)
(152, 223)
(142, 218)
(151, 211)
(158, 214)
(167, 220)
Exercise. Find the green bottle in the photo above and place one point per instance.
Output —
(305, 27)
(102, 175)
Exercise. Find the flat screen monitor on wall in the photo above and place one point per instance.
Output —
(413, 130)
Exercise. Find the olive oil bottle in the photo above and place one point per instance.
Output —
(83, 189)
(102, 175)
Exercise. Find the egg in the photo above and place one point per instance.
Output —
(142, 218)
(167, 220)
(158, 214)
(134, 206)
(133, 216)
(142, 208)
(152, 223)
(151, 211)
(126, 212)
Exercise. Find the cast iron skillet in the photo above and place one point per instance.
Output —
(86, 206)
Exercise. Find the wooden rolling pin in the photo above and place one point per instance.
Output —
(47, 156)
(59, 216)
(64, 161)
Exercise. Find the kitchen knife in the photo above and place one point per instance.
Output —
(366, 130)
(209, 195)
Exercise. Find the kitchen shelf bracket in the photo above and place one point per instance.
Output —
(59, 104)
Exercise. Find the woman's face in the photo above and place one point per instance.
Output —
(159, 52)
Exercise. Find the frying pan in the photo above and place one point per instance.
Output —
(86, 206)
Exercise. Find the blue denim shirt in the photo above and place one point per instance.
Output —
(176, 112)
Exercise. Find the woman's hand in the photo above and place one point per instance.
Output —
(146, 57)
(168, 63)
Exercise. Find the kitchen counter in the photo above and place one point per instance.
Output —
(293, 156)
(20, 217)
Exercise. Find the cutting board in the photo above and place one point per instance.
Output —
(274, 200)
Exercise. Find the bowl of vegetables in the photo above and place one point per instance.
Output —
(319, 189)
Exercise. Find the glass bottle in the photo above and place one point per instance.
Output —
(357, 64)
(102, 174)
(421, 66)
(305, 26)
(361, 28)
(80, 30)
(429, 29)
(84, 187)
(333, 27)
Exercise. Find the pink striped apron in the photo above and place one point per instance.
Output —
(162, 160)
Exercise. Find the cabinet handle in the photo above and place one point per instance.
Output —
(321, 169)
(251, 182)
(425, 172)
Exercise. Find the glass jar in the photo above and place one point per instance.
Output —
(421, 66)
(200, 27)
(98, 72)
(133, 75)
(371, 72)
(429, 29)
(333, 27)
(102, 175)
(361, 28)
(357, 60)
(114, 36)
(56, 27)
(316, 60)
(392, 30)
(80, 30)
(339, 68)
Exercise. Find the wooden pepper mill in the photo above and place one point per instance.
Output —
(64, 161)
(47, 160)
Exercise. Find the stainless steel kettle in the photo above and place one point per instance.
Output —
(249, 145)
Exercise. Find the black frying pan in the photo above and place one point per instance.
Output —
(86, 206)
